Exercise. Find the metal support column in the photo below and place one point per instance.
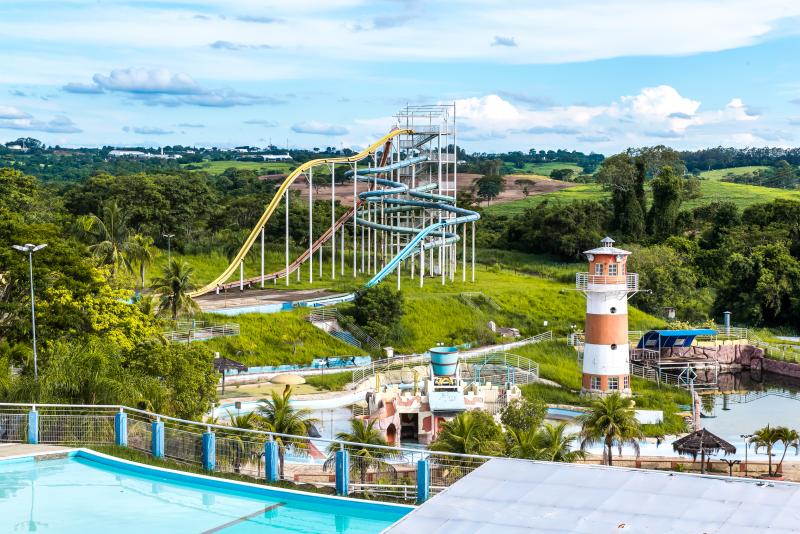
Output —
(310, 225)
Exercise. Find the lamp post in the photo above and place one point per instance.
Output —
(169, 247)
(746, 437)
(29, 249)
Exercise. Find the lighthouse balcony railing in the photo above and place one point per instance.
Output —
(595, 282)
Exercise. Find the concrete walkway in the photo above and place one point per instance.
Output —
(23, 449)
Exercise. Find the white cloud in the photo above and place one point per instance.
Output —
(156, 81)
(319, 128)
(59, 124)
(147, 130)
(10, 112)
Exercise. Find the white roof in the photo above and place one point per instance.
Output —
(509, 496)
(607, 248)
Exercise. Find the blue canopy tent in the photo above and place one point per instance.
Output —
(650, 345)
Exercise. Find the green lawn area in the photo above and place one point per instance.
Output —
(218, 167)
(711, 190)
(542, 168)
(719, 174)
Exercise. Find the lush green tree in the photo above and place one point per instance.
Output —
(378, 311)
(761, 287)
(489, 187)
(611, 420)
(523, 414)
(143, 252)
(184, 370)
(363, 459)
(621, 175)
(655, 158)
(279, 416)
(110, 238)
(565, 175)
(550, 442)
(174, 286)
(662, 219)
(470, 432)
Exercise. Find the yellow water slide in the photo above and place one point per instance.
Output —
(230, 269)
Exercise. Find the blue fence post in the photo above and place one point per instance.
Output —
(271, 462)
(33, 426)
(342, 472)
(423, 481)
(121, 428)
(209, 450)
(157, 439)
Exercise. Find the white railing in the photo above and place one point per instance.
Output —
(203, 333)
(586, 281)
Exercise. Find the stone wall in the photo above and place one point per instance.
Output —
(724, 354)
(781, 368)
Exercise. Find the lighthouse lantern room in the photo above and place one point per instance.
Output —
(607, 286)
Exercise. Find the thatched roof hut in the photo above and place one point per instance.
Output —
(222, 364)
(704, 443)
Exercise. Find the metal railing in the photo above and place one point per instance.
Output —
(626, 282)
(202, 333)
(335, 320)
(375, 470)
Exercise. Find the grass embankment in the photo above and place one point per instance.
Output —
(719, 174)
(559, 362)
(269, 339)
(711, 190)
(330, 381)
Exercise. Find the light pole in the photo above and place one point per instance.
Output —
(30, 249)
(746, 437)
(169, 247)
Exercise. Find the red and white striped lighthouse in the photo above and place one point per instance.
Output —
(607, 286)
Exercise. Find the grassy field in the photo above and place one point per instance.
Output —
(543, 169)
(218, 167)
(719, 174)
(559, 362)
(277, 338)
(711, 190)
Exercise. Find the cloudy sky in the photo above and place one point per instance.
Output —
(590, 75)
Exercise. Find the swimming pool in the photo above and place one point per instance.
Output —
(86, 492)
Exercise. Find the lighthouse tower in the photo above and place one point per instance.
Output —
(607, 286)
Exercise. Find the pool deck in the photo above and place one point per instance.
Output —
(8, 450)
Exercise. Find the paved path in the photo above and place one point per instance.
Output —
(21, 449)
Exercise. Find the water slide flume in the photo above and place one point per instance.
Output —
(273, 204)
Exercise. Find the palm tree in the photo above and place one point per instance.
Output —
(789, 438)
(471, 432)
(174, 285)
(246, 421)
(766, 438)
(110, 237)
(610, 421)
(143, 252)
(556, 445)
(362, 458)
(279, 416)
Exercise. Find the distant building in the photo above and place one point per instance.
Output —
(17, 147)
(276, 157)
(141, 155)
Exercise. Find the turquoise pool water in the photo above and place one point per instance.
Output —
(90, 494)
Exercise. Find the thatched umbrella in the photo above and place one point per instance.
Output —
(702, 442)
(222, 364)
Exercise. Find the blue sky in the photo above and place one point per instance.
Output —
(586, 75)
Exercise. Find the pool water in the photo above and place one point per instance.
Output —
(87, 494)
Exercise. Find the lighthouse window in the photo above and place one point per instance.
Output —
(613, 346)
(613, 309)
(595, 382)
(626, 382)
(613, 382)
(598, 269)
(612, 269)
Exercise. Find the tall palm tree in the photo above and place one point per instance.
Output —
(789, 438)
(174, 285)
(611, 421)
(110, 237)
(246, 421)
(362, 458)
(766, 438)
(143, 252)
(279, 416)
